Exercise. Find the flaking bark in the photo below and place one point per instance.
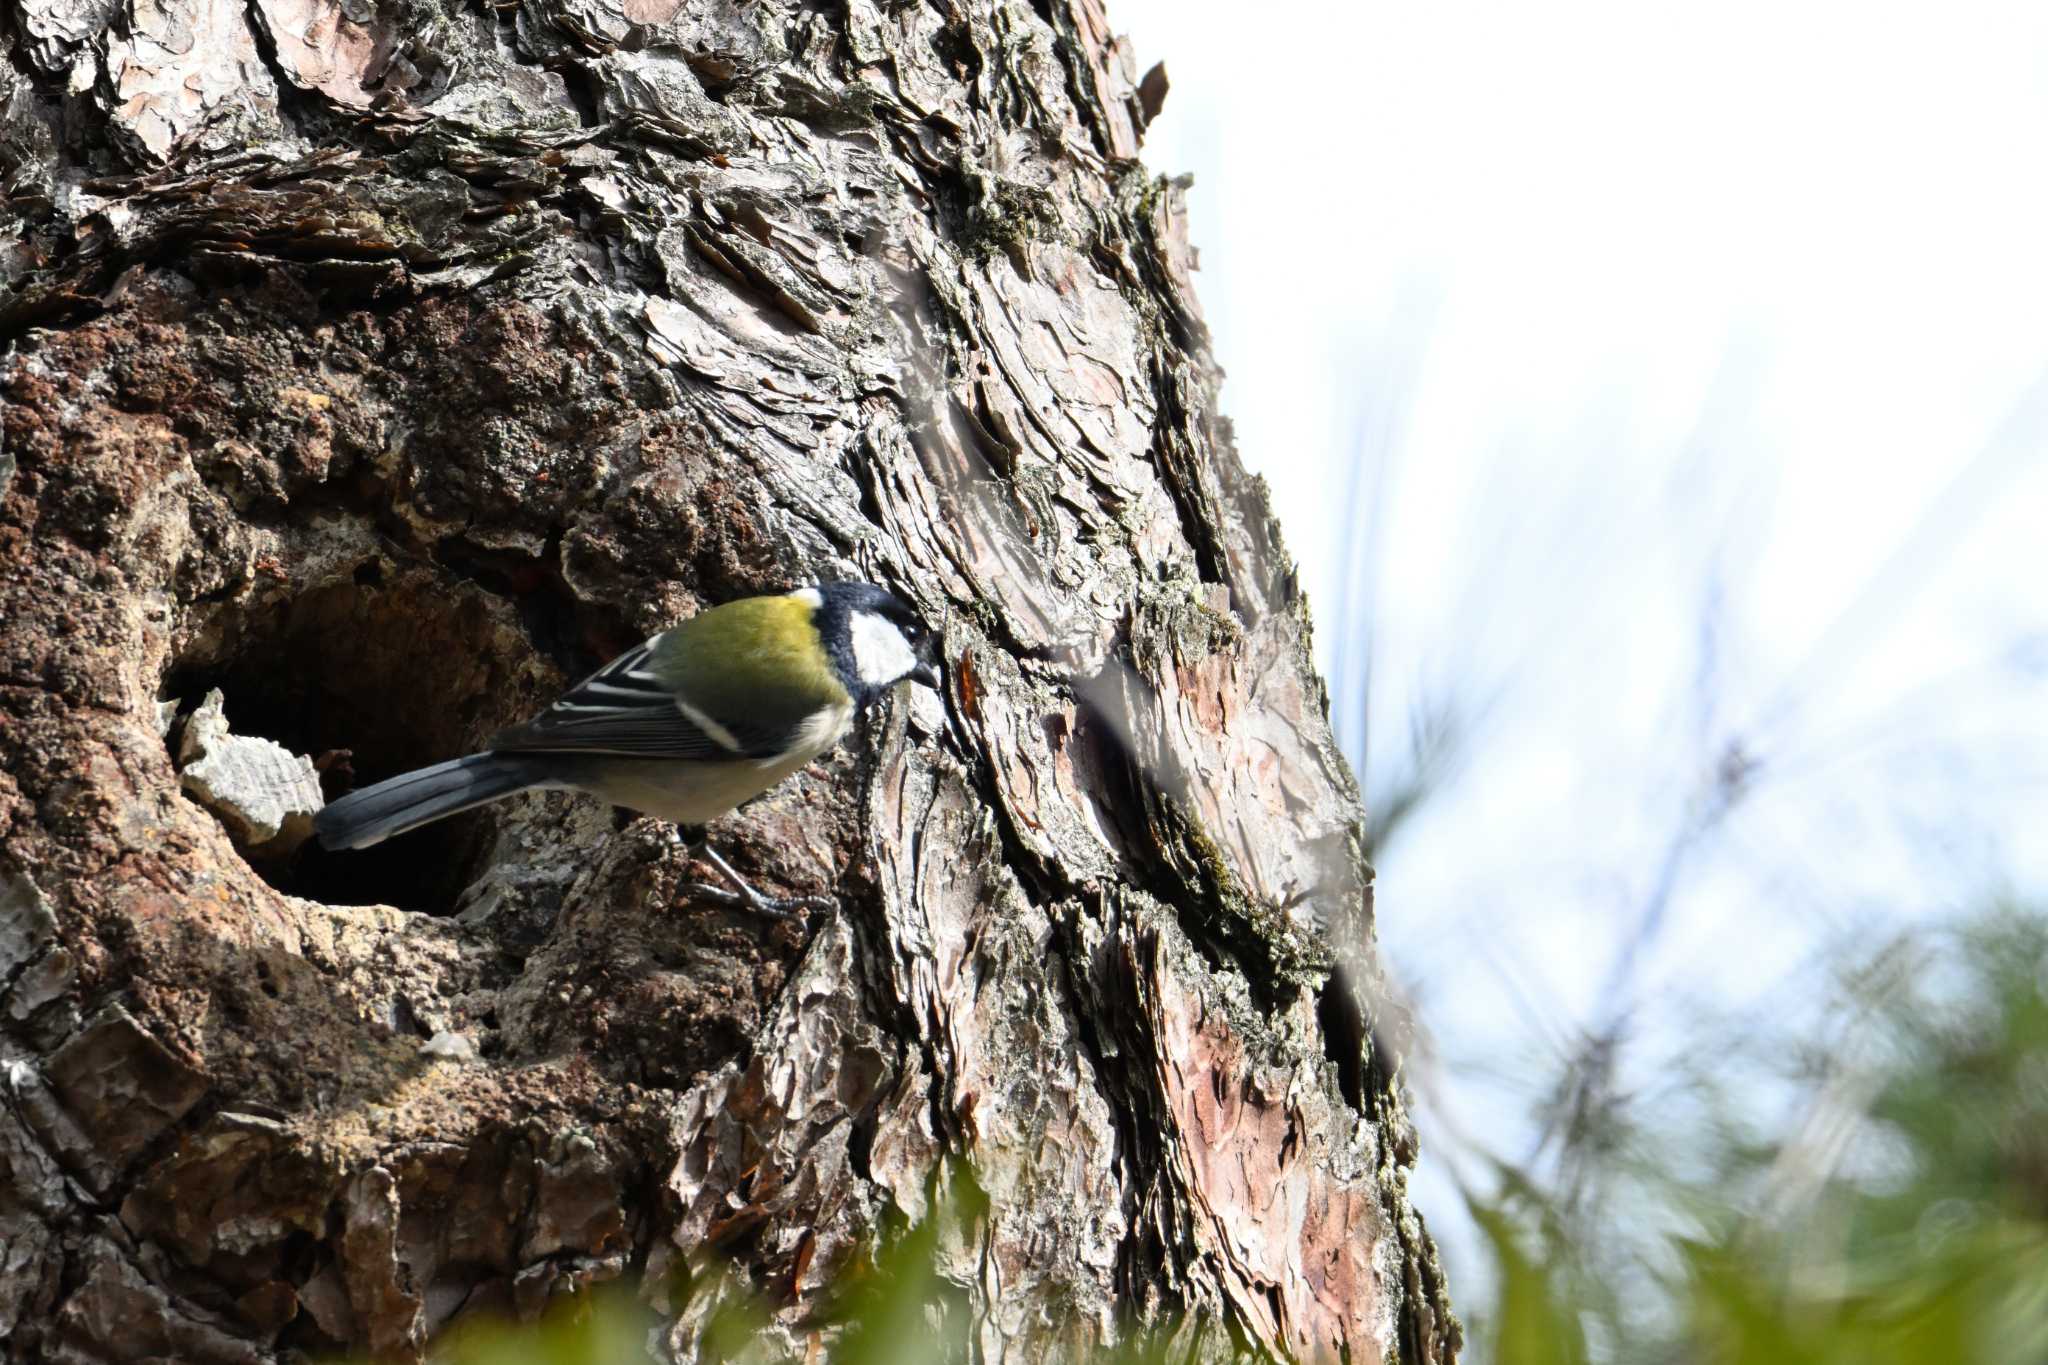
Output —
(383, 365)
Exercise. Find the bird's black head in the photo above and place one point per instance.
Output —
(874, 639)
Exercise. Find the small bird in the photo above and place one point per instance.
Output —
(685, 726)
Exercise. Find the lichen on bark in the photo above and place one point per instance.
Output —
(382, 366)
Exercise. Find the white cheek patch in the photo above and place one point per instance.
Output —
(880, 653)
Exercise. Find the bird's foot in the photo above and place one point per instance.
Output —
(791, 908)
(741, 892)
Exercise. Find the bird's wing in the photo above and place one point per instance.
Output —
(626, 708)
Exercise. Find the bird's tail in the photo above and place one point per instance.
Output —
(412, 799)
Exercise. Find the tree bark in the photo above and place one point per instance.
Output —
(383, 364)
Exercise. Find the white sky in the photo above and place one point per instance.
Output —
(1640, 306)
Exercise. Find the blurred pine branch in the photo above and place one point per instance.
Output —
(1901, 1220)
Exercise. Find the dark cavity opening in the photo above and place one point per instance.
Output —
(384, 671)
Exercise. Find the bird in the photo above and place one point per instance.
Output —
(684, 726)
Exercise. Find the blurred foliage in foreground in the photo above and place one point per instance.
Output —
(896, 1308)
(1898, 1217)
(1894, 1213)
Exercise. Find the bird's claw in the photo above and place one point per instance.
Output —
(774, 907)
(741, 893)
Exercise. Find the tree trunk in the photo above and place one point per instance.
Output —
(382, 365)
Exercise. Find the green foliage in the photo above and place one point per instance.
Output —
(898, 1308)
(1902, 1219)
(599, 1327)
(1531, 1322)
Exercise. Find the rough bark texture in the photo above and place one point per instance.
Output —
(385, 363)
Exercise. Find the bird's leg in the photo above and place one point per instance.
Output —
(695, 842)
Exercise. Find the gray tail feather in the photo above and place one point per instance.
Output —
(412, 799)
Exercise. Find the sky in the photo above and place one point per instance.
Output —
(1688, 367)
